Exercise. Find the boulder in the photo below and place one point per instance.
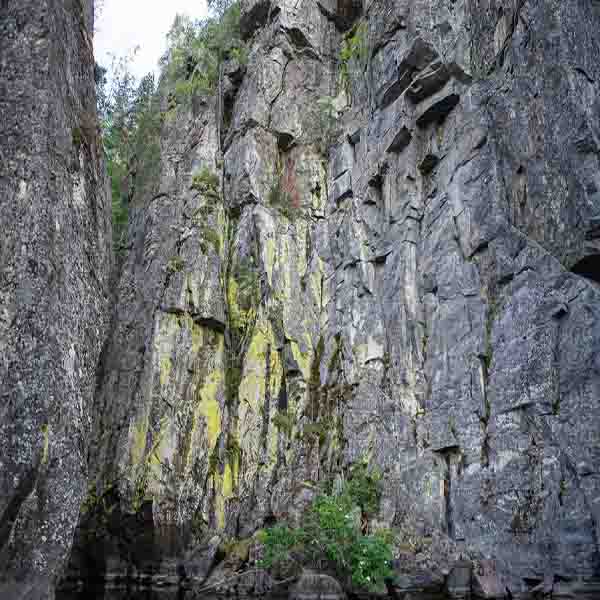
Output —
(317, 586)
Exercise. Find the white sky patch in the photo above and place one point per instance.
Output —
(125, 24)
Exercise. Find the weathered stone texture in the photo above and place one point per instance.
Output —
(55, 260)
(415, 283)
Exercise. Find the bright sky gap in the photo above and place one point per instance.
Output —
(126, 24)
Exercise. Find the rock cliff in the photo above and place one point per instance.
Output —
(399, 263)
(55, 259)
(379, 241)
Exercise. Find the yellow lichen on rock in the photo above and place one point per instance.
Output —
(166, 364)
(209, 406)
(138, 432)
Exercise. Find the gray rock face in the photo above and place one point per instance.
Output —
(401, 265)
(55, 259)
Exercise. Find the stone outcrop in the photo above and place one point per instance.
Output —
(314, 586)
(55, 260)
(399, 264)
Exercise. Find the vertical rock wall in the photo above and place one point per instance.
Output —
(55, 258)
(398, 264)
(471, 197)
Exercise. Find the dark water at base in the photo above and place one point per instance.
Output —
(136, 595)
(102, 594)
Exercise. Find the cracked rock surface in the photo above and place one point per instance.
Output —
(55, 260)
(400, 263)
(416, 283)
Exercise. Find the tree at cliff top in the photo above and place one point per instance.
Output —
(196, 48)
(130, 118)
(130, 112)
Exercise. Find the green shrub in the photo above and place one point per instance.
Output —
(370, 559)
(131, 125)
(364, 487)
(331, 532)
(280, 541)
(196, 50)
(284, 421)
(206, 181)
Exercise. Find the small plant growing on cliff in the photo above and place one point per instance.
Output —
(364, 487)
(331, 533)
(354, 49)
(284, 421)
(206, 181)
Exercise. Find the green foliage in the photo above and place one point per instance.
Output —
(175, 264)
(196, 49)
(370, 560)
(364, 487)
(233, 450)
(279, 542)
(284, 421)
(331, 532)
(354, 49)
(131, 126)
(206, 181)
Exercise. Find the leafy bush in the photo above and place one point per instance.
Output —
(131, 127)
(280, 542)
(364, 487)
(370, 559)
(206, 181)
(196, 49)
(332, 534)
